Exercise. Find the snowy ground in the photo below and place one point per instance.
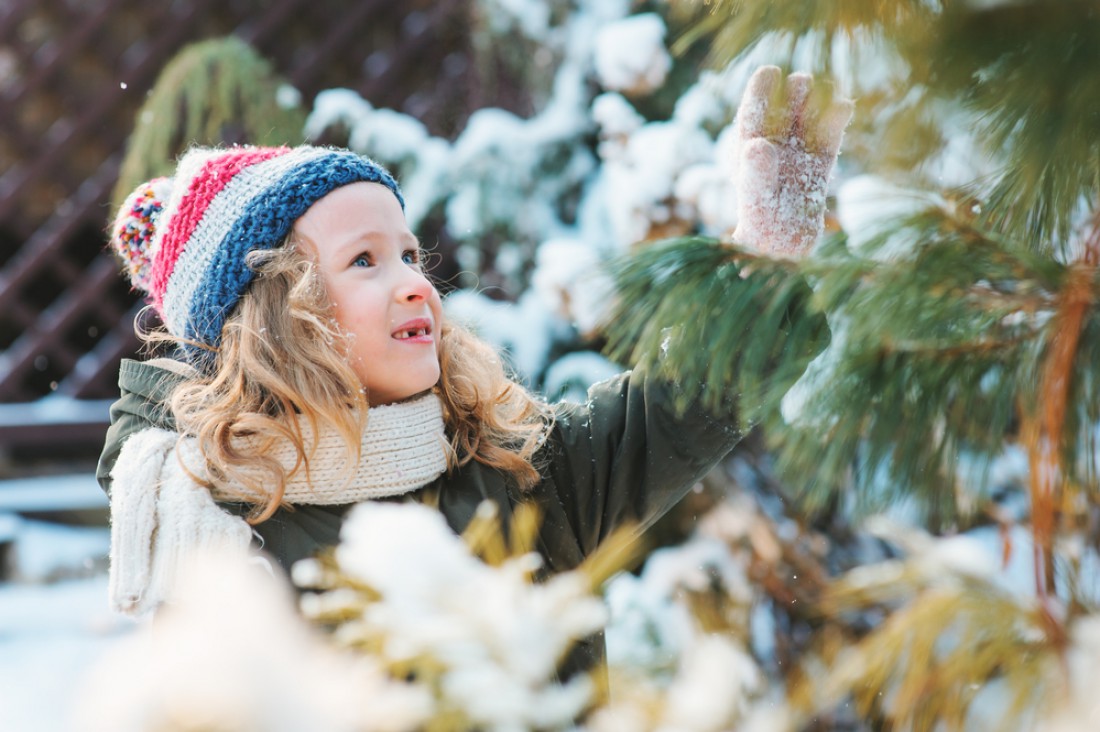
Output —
(51, 636)
(54, 619)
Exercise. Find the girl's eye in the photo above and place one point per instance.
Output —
(411, 256)
(363, 260)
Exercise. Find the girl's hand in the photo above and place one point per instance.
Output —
(788, 137)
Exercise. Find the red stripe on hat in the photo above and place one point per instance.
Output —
(214, 176)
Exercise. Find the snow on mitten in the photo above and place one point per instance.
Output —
(787, 144)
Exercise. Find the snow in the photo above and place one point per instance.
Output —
(615, 116)
(52, 630)
(58, 636)
(392, 136)
(287, 97)
(707, 193)
(333, 107)
(570, 284)
(716, 678)
(711, 102)
(569, 377)
(806, 403)
(234, 654)
(641, 175)
(497, 636)
(389, 548)
(524, 330)
(631, 55)
(978, 554)
(56, 409)
(963, 158)
(44, 551)
(651, 625)
(868, 205)
(1083, 660)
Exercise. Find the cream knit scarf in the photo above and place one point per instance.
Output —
(161, 519)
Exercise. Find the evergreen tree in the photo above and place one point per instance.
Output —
(218, 91)
(960, 324)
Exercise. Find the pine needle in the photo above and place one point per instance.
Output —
(953, 636)
(689, 311)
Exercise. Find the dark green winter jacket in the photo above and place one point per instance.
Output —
(623, 456)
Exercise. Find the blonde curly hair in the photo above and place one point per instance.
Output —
(283, 359)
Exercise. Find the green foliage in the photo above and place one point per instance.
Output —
(934, 352)
(692, 310)
(1031, 71)
(939, 350)
(736, 26)
(213, 92)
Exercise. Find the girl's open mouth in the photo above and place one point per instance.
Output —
(418, 329)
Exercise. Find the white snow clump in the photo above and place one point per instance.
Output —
(398, 141)
(569, 280)
(631, 55)
(498, 636)
(525, 330)
(233, 654)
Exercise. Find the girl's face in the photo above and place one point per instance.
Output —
(370, 263)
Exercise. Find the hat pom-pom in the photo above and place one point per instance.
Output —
(133, 230)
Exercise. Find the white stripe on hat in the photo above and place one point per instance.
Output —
(188, 167)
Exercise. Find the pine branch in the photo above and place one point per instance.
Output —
(218, 91)
(937, 349)
(950, 632)
(734, 27)
(932, 657)
(932, 351)
(1031, 71)
(690, 310)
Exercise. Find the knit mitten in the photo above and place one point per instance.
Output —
(787, 143)
(161, 520)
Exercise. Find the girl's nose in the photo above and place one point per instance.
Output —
(414, 287)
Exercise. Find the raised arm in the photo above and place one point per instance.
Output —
(627, 455)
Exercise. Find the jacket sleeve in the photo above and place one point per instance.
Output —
(626, 456)
(142, 404)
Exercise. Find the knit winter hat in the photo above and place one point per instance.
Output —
(184, 239)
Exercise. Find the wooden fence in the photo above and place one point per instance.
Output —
(72, 75)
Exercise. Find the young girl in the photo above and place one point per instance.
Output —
(315, 367)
